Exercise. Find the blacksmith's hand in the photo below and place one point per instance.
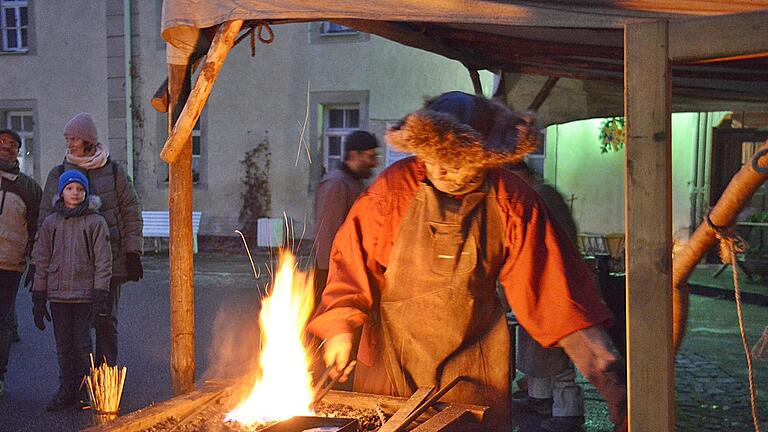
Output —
(39, 310)
(337, 351)
(30, 277)
(133, 266)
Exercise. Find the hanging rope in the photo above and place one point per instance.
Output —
(257, 29)
(731, 245)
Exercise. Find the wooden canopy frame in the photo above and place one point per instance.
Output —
(650, 48)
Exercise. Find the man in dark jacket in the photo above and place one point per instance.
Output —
(337, 192)
(120, 207)
(19, 206)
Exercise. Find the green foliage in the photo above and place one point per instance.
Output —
(612, 134)
(255, 195)
(760, 217)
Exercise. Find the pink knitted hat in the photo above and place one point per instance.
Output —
(82, 126)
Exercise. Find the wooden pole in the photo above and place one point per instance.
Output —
(217, 53)
(648, 207)
(723, 214)
(180, 242)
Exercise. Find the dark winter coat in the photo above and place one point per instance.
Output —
(120, 208)
(73, 256)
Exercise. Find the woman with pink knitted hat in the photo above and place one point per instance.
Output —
(120, 207)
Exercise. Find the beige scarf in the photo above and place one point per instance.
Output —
(97, 160)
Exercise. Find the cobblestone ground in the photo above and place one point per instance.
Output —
(710, 399)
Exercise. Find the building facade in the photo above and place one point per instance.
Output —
(283, 112)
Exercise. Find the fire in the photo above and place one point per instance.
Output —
(283, 388)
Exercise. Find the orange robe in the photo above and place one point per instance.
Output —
(544, 278)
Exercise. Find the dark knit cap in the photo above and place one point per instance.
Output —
(360, 141)
(12, 133)
(73, 176)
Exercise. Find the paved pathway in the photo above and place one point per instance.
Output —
(710, 398)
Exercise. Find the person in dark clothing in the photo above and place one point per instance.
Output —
(337, 192)
(19, 206)
(74, 262)
(120, 207)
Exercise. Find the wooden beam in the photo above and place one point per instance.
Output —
(151, 416)
(182, 298)
(719, 37)
(401, 34)
(476, 83)
(541, 96)
(217, 53)
(648, 219)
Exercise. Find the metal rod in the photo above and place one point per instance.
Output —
(424, 406)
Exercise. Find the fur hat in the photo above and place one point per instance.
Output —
(360, 140)
(73, 176)
(457, 128)
(82, 126)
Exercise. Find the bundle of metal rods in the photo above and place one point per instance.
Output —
(105, 388)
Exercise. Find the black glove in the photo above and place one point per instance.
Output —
(99, 307)
(30, 277)
(39, 311)
(134, 267)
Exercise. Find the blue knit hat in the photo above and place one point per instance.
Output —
(73, 176)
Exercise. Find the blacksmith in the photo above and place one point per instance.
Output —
(414, 267)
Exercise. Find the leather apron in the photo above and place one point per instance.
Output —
(440, 315)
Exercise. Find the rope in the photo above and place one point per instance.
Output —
(730, 245)
(257, 28)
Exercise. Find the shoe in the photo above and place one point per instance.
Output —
(563, 424)
(83, 401)
(64, 399)
(532, 405)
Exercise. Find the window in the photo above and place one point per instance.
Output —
(329, 28)
(325, 32)
(338, 122)
(198, 134)
(22, 122)
(14, 22)
(196, 154)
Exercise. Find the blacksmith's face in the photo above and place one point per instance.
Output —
(454, 180)
(9, 148)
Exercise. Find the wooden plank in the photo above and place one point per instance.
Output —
(416, 399)
(217, 53)
(719, 37)
(648, 219)
(444, 421)
(180, 244)
(178, 407)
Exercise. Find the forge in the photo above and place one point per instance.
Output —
(339, 411)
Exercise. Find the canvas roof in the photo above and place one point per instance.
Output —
(578, 41)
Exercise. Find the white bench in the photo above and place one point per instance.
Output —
(157, 226)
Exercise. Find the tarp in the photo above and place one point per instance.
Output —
(578, 41)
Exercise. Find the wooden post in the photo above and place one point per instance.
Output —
(180, 242)
(648, 219)
(217, 53)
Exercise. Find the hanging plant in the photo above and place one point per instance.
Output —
(612, 134)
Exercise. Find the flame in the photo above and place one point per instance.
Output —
(283, 388)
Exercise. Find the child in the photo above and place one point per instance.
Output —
(74, 266)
